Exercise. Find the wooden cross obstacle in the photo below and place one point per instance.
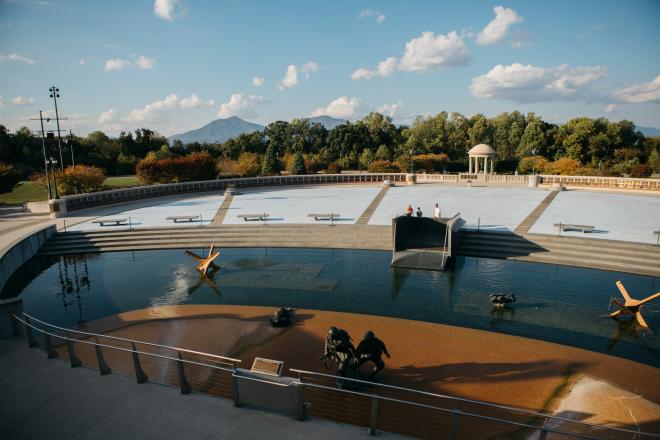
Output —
(632, 306)
(205, 263)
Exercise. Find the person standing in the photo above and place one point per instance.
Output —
(409, 211)
(419, 212)
(436, 212)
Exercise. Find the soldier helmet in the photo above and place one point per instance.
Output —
(369, 335)
(333, 332)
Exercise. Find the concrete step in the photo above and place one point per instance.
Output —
(570, 247)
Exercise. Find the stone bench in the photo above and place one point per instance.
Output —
(183, 218)
(109, 221)
(324, 217)
(570, 227)
(267, 366)
(254, 217)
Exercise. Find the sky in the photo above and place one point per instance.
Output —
(175, 65)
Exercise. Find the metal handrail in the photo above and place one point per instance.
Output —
(452, 411)
(130, 350)
(462, 399)
(135, 341)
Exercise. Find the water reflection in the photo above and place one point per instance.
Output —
(557, 304)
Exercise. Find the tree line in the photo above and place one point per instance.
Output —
(437, 143)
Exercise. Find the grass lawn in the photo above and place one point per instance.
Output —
(121, 181)
(24, 192)
(27, 191)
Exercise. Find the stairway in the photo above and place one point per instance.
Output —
(611, 255)
(308, 236)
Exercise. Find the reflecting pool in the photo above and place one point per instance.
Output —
(555, 303)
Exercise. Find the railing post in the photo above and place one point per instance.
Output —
(32, 342)
(455, 424)
(300, 400)
(139, 372)
(544, 431)
(103, 366)
(75, 362)
(183, 383)
(234, 381)
(49, 346)
(373, 420)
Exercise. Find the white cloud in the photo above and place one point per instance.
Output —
(342, 108)
(190, 102)
(290, 78)
(644, 92)
(497, 29)
(611, 108)
(241, 104)
(210, 103)
(308, 68)
(385, 68)
(389, 109)
(108, 117)
(429, 52)
(19, 100)
(82, 62)
(169, 9)
(258, 81)
(116, 64)
(144, 63)
(15, 57)
(150, 112)
(365, 13)
(527, 83)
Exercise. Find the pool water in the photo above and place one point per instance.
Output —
(554, 303)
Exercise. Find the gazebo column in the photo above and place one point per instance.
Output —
(476, 169)
(470, 164)
(486, 165)
(492, 166)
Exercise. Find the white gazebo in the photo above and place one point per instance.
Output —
(485, 152)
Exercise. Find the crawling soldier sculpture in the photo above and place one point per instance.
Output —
(281, 318)
(339, 348)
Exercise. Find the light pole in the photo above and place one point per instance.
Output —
(55, 93)
(534, 161)
(411, 160)
(73, 162)
(43, 146)
(53, 162)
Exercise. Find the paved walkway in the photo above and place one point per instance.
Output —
(529, 221)
(48, 399)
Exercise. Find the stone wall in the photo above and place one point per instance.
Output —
(22, 251)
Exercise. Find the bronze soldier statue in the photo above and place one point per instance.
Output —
(338, 347)
(371, 349)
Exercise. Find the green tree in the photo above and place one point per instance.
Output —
(271, 164)
(298, 166)
(366, 158)
(481, 130)
(533, 138)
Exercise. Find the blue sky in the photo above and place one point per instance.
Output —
(176, 65)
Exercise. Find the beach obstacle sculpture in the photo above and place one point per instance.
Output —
(632, 306)
(205, 263)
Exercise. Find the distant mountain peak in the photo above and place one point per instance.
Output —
(217, 131)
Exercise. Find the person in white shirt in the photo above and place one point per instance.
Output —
(436, 213)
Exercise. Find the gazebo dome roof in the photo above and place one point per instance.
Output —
(482, 150)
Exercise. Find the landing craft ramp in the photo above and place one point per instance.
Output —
(423, 242)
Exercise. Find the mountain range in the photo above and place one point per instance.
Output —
(222, 130)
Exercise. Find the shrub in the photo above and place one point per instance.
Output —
(643, 170)
(564, 166)
(333, 168)
(9, 177)
(190, 168)
(530, 164)
(384, 166)
(271, 165)
(431, 162)
(81, 179)
(383, 153)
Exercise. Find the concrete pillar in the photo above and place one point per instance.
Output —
(533, 180)
(470, 164)
(492, 166)
(476, 170)
(486, 165)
